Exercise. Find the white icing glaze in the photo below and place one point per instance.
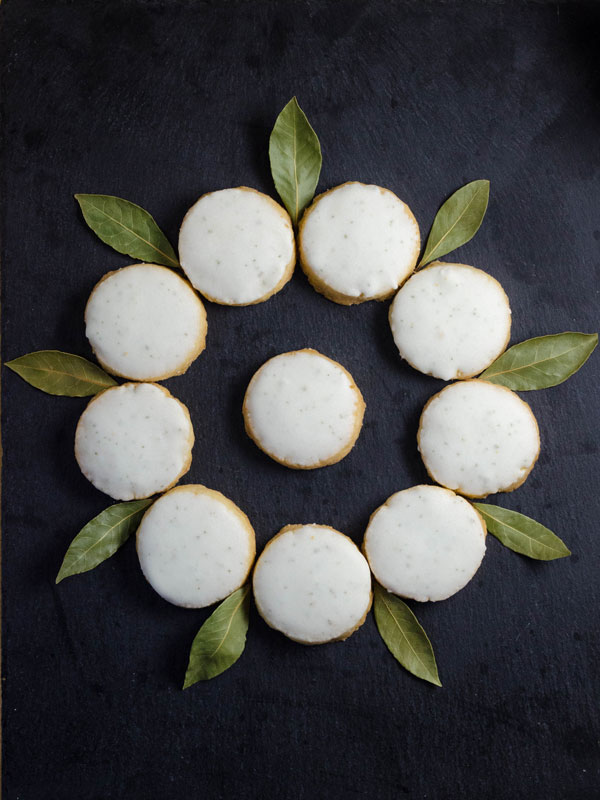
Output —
(312, 583)
(303, 409)
(478, 438)
(145, 322)
(450, 320)
(235, 246)
(360, 240)
(425, 543)
(195, 546)
(134, 440)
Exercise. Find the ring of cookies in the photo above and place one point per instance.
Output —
(356, 243)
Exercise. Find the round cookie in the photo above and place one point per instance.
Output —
(237, 246)
(195, 546)
(303, 409)
(425, 543)
(134, 440)
(450, 320)
(478, 438)
(313, 584)
(144, 322)
(358, 242)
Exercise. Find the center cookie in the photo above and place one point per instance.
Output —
(303, 409)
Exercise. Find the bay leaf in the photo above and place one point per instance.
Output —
(295, 156)
(541, 362)
(58, 373)
(102, 537)
(522, 534)
(221, 640)
(404, 636)
(127, 228)
(457, 221)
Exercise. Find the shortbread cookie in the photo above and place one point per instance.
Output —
(303, 409)
(358, 242)
(145, 322)
(237, 246)
(425, 543)
(450, 320)
(313, 584)
(478, 438)
(134, 440)
(195, 546)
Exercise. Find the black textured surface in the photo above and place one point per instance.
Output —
(159, 102)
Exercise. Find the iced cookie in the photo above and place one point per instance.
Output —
(134, 440)
(144, 322)
(313, 584)
(450, 320)
(478, 438)
(358, 242)
(195, 546)
(303, 409)
(237, 246)
(425, 543)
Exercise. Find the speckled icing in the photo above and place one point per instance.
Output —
(145, 322)
(195, 546)
(312, 583)
(134, 440)
(359, 240)
(303, 409)
(478, 438)
(425, 543)
(450, 320)
(235, 246)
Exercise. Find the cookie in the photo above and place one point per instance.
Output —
(144, 322)
(303, 409)
(450, 320)
(195, 546)
(134, 440)
(237, 246)
(313, 584)
(358, 242)
(425, 543)
(478, 438)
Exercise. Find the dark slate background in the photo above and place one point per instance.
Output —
(159, 102)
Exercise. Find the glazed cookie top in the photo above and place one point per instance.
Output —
(450, 320)
(303, 409)
(358, 242)
(312, 583)
(478, 438)
(134, 440)
(145, 322)
(237, 246)
(195, 546)
(425, 543)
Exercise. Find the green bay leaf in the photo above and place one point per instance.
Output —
(127, 228)
(404, 636)
(221, 640)
(295, 156)
(58, 373)
(102, 537)
(457, 221)
(522, 534)
(541, 362)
